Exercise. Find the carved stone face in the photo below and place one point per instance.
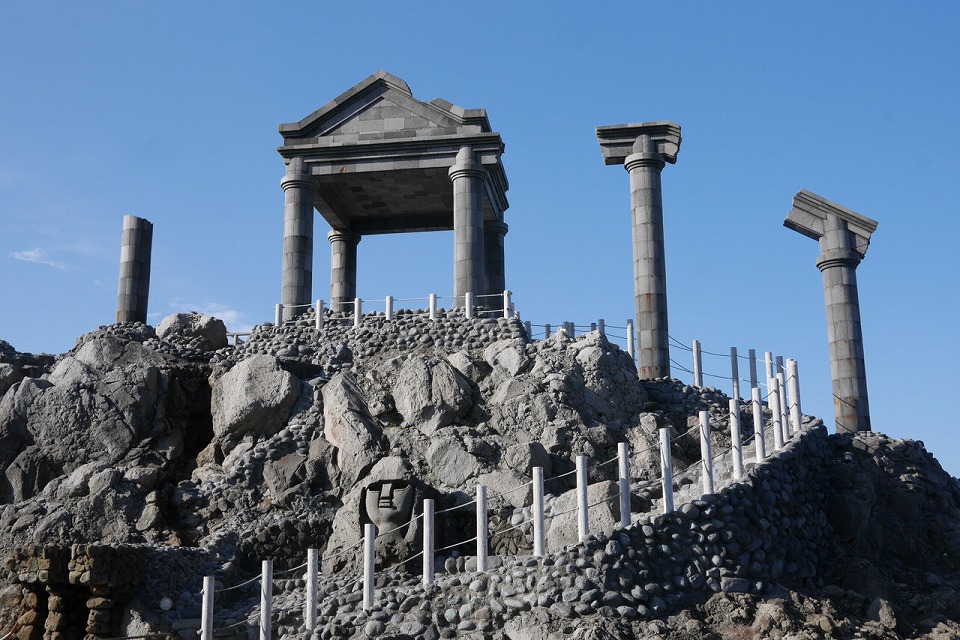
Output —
(389, 504)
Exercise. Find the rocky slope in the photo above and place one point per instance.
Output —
(208, 458)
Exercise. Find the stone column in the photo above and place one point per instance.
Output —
(135, 247)
(844, 236)
(494, 234)
(467, 176)
(644, 149)
(343, 268)
(298, 191)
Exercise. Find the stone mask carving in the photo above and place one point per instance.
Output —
(389, 504)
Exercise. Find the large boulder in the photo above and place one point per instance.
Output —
(431, 394)
(450, 462)
(196, 329)
(604, 514)
(256, 396)
(348, 426)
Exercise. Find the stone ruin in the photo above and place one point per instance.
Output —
(74, 592)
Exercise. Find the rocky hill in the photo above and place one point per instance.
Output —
(144, 459)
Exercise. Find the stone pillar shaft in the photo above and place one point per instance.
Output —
(838, 262)
(468, 254)
(494, 234)
(649, 263)
(298, 193)
(135, 248)
(343, 269)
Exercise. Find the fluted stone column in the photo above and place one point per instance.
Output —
(844, 237)
(494, 234)
(343, 268)
(299, 188)
(136, 243)
(467, 176)
(644, 150)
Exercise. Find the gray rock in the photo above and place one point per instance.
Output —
(256, 396)
(204, 332)
(429, 393)
(349, 427)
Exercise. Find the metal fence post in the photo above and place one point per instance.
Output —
(538, 517)
(369, 557)
(697, 365)
(666, 469)
(319, 318)
(388, 307)
(357, 311)
(433, 306)
(735, 372)
(481, 528)
(206, 615)
(278, 315)
(736, 440)
(583, 515)
(758, 431)
(623, 453)
(796, 417)
(706, 453)
(428, 541)
(266, 599)
(310, 612)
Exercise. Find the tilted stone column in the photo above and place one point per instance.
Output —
(844, 236)
(467, 176)
(644, 149)
(343, 268)
(299, 188)
(494, 234)
(135, 248)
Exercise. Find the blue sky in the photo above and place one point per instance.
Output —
(169, 111)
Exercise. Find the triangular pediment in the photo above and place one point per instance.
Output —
(381, 107)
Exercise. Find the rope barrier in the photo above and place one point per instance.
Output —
(562, 475)
(603, 464)
(456, 544)
(459, 506)
(345, 550)
(283, 573)
(514, 490)
(406, 524)
(502, 531)
(237, 586)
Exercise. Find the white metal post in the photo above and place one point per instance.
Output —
(481, 528)
(507, 304)
(428, 541)
(602, 327)
(630, 339)
(538, 518)
(593, 327)
(388, 307)
(319, 319)
(433, 306)
(736, 439)
(357, 311)
(206, 609)
(528, 327)
(278, 315)
(758, 431)
(369, 556)
(796, 417)
(779, 362)
(266, 599)
(753, 368)
(784, 416)
(735, 372)
(310, 610)
(546, 331)
(697, 365)
(623, 453)
(706, 453)
(768, 360)
(666, 469)
(773, 402)
(583, 515)
(468, 305)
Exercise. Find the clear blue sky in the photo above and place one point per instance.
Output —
(171, 114)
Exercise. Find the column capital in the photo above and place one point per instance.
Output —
(622, 142)
(344, 235)
(298, 177)
(830, 258)
(496, 226)
(835, 227)
(466, 165)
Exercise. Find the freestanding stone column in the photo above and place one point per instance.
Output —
(343, 268)
(644, 149)
(494, 234)
(135, 247)
(298, 191)
(844, 236)
(468, 255)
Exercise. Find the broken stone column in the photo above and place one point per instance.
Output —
(467, 176)
(644, 149)
(494, 234)
(343, 268)
(299, 188)
(844, 236)
(135, 247)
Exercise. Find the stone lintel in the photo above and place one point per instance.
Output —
(810, 212)
(616, 141)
